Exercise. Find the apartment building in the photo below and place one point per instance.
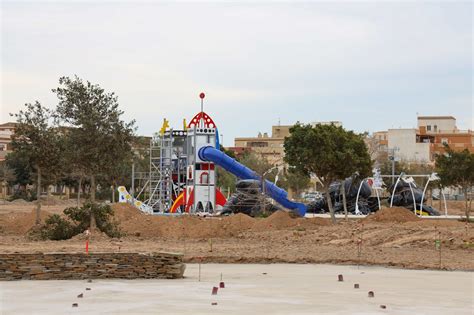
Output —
(6, 132)
(270, 146)
(422, 144)
(443, 130)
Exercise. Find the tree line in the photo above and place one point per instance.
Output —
(83, 138)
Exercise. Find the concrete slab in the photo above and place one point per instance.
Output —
(284, 289)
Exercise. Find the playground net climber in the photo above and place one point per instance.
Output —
(182, 177)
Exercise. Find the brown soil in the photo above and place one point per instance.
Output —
(133, 222)
(393, 237)
(19, 223)
(394, 214)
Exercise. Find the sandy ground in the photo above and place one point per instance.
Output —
(455, 207)
(252, 289)
(390, 238)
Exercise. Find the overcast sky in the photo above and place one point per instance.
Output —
(371, 65)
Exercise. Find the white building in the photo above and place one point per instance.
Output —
(437, 124)
(409, 145)
(332, 122)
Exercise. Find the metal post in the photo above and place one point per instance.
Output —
(423, 195)
(395, 187)
(133, 180)
(357, 198)
(413, 196)
(378, 197)
(445, 205)
(393, 167)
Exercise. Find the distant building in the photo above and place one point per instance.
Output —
(422, 144)
(332, 122)
(270, 147)
(443, 130)
(6, 132)
(410, 146)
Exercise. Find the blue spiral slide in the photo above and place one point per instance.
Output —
(214, 155)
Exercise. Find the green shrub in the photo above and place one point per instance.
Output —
(57, 228)
(28, 195)
(103, 214)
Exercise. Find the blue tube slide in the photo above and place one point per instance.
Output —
(211, 154)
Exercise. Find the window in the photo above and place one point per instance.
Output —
(257, 144)
(204, 178)
(435, 128)
(428, 127)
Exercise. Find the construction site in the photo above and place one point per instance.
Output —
(394, 238)
(226, 250)
(236, 157)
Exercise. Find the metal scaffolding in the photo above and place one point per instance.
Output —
(160, 184)
(167, 169)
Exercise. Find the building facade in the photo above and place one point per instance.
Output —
(269, 147)
(422, 144)
(442, 130)
(6, 132)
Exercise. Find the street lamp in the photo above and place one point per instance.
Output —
(392, 158)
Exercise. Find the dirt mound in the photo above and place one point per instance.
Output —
(395, 214)
(19, 223)
(94, 235)
(125, 211)
(244, 221)
(20, 202)
(278, 220)
(135, 223)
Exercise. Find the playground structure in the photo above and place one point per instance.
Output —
(182, 177)
(360, 199)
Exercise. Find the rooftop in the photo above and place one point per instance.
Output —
(435, 117)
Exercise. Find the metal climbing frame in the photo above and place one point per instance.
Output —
(167, 169)
(161, 182)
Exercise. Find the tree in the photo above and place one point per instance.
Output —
(23, 173)
(457, 169)
(37, 142)
(7, 175)
(258, 164)
(99, 139)
(295, 180)
(375, 149)
(225, 179)
(327, 151)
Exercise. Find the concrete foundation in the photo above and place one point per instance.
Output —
(252, 289)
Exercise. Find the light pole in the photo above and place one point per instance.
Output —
(392, 158)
